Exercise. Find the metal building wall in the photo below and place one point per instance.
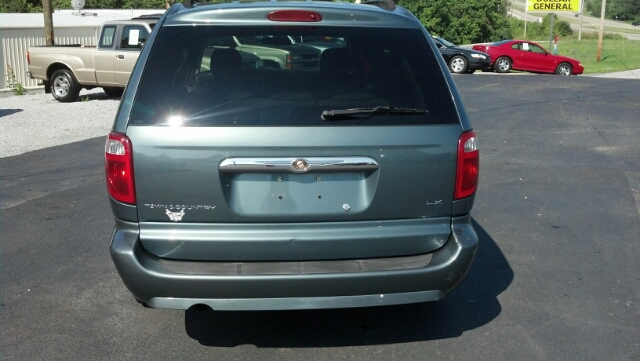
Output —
(14, 43)
(107, 12)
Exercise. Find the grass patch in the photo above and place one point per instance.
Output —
(621, 30)
(588, 25)
(617, 54)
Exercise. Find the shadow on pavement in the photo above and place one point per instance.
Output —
(472, 304)
(4, 112)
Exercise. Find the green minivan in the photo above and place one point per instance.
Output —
(346, 184)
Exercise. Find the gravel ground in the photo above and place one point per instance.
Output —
(35, 121)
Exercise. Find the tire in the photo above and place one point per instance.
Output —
(113, 92)
(564, 69)
(458, 64)
(64, 86)
(502, 65)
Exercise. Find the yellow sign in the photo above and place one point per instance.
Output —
(572, 6)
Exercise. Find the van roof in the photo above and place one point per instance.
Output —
(246, 13)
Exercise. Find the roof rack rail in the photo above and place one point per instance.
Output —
(383, 4)
(192, 3)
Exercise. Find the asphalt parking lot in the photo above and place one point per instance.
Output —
(557, 275)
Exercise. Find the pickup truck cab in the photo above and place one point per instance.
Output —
(279, 51)
(268, 51)
(65, 70)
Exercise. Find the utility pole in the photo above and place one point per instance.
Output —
(526, 13)
(48, 21)
(601, 33)
(551, 32)
(581, 19)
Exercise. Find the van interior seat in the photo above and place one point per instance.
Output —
(227, 72)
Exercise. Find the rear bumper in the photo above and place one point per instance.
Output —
(40, 82)
(147, 278)
(37, 75)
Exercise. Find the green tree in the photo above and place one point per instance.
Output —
(13, 6)
(540, 31)
(20, 6)
(144, 4)
(615, 9)
(23, 6)
(560, 27)
(462, 22)
(61, 4)
(103, 4)
(624, 9)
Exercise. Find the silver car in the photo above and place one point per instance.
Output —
(349, 184)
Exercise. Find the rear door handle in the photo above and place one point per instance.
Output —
(120, 56)
(298, 165)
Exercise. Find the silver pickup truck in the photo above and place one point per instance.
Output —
(65, 70)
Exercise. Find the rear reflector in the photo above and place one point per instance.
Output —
(468, 166)
(119, 168)
(302, 16)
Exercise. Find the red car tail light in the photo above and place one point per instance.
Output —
(468, 166)
(28, 59)
(119, 168)
(302, 16)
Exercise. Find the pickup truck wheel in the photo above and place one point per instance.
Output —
(64, 86)
(113, 92)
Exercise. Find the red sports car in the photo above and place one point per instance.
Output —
(528, 56)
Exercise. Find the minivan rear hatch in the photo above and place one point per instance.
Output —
(366, 142)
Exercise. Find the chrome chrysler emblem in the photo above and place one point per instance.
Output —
(300, 165)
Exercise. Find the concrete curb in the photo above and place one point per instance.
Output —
(5, 93)
(627, 74)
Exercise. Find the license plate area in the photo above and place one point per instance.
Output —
(301, 194)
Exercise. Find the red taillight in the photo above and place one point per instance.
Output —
(302, 16)
(468, 166)
(28, 59)
(119, 168)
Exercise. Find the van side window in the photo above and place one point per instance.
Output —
(106, 39)
(133, 37)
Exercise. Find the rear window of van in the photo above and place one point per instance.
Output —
(289, 76)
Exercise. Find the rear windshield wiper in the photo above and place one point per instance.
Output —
(344, 114)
